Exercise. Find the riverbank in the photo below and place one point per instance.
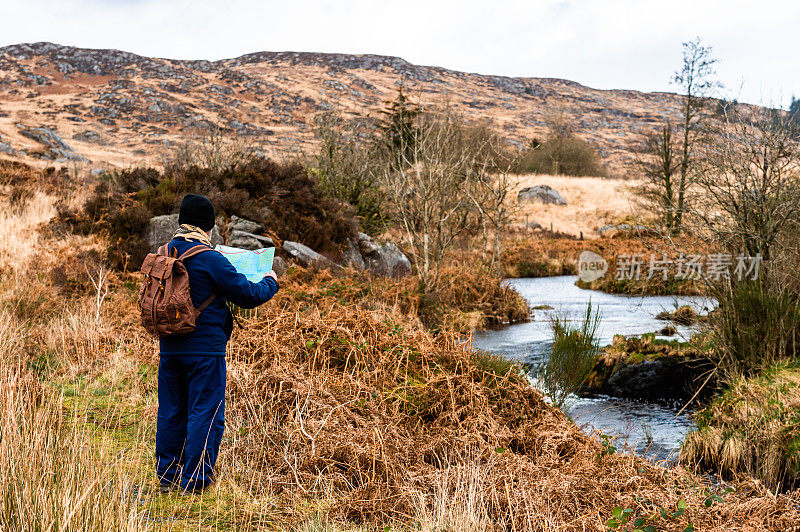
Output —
(650, 368)
(546, 255)
(345, 412)
(753, 428)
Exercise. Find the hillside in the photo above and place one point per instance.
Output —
(118, 108)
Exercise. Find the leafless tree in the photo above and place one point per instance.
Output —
(749, 183)
(660, 169)
(444, 182)
(696, 77)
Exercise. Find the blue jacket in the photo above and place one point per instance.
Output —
(210, 272)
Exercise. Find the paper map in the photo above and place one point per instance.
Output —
(253, 264)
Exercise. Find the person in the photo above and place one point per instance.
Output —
(191, 369)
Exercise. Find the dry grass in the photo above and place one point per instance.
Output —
(592, 202)
(752, 428)
(344, 412)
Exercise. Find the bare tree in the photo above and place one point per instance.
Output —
(696, 79)
(432, 188)
(490, 192)
(660, 168)
(748, 202)
(750, 182)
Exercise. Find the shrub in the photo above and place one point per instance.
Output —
(572, 356)
(756, 326)
(283, 197)
(347, 166)
(560, 155)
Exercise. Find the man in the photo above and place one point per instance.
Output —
(191, 370)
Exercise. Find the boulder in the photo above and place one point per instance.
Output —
(623, 229)
(246, 226)
(667, 378)
(352, 255)
(245, 240)
(279, 265)
(386, 260)
(161, 228)
(542, 193)
(366, 245)
(306, 256)
(55, 144)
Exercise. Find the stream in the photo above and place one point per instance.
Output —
(651, 429)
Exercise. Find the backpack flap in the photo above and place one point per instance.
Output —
(157, 266)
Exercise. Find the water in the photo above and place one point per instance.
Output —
(652, 429)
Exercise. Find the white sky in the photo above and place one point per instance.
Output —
(609, 44)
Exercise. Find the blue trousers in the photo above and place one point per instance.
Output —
(191, 419)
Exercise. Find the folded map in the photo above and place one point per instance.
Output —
(253, 264)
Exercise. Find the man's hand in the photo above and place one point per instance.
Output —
(273, 275)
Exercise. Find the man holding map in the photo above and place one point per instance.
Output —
(191, 371)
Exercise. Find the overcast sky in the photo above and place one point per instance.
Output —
(608, 44)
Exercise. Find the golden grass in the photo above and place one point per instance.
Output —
(592, 202)
(752, 428)
(344, 412)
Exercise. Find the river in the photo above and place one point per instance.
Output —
(651, 429)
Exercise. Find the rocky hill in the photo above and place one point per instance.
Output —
(107, 107)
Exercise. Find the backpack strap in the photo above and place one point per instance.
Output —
(194, 250)
(191, 252)
(163, 249)
(206, 303)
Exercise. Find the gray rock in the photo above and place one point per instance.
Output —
(352, 256)
(542, 193)
(306, 256)
(161, 228)
(56, 145)
(611, 230)
(245, 240)
(388, 261)
(5, 147)
(87, 136)
(366, 244)
(247, 226)
(279, 265)
(98, 171)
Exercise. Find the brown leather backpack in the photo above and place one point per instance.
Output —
(164, 299)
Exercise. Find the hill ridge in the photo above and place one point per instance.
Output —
(118, 107)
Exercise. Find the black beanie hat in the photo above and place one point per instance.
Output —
(197, 210)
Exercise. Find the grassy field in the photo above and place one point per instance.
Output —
(592, 202)
(345, 412)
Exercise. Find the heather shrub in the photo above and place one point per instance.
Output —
(283, 197)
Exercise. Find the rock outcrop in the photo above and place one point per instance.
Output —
(161, 228)
(386, 260)
(247, 234)
(56, 147)
(542, 193)
(308, 257)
